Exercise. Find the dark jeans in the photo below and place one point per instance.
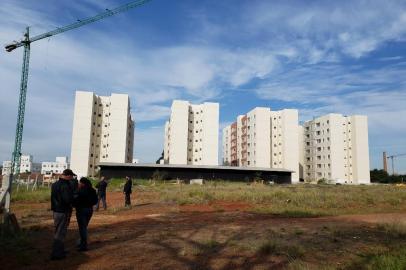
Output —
(61, 223)
(127, 199)
(83, 216)
(102, 197)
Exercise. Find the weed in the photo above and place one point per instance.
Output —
(393, 230)
(42, 194)
(390, 260)
(291, 200)
(268, 247)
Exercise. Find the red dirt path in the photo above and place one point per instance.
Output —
(167, 236)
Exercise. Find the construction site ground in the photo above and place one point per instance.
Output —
(220, 235)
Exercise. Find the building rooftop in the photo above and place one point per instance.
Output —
(153, 165)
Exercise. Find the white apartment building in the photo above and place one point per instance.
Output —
(27, 165)
(191, 134)
(263, 138)
(57, 166)
(103, 131)
(336, 149)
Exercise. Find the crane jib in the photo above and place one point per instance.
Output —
(79, 23)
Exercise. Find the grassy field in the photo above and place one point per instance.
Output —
(304, 200)
(188, 226)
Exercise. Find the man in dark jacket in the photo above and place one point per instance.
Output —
(101, 193)
(61, 205)
(127, 191)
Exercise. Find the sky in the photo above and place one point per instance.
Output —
(319, 57)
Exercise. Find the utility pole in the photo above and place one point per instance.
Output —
(385, 162)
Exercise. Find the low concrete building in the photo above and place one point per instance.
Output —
(188, 172)
(27, 165)
(55, 167)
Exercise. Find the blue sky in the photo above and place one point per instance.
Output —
(346, 57)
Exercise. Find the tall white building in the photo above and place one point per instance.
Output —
(263, 138)
(57, 166)
(27, 165)
(191, 134)
(336, 149)
(103, 131)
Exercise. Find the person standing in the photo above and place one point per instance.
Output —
(127, 191)
(86, 199)
(101, 193)
(61, 205)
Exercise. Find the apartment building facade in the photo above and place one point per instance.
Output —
(56, 167)
(27, 165)
(263, 138)
(103, 131)
(335, 148)
(191, 134)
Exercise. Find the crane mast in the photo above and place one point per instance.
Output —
(392, 161)
(5, 193)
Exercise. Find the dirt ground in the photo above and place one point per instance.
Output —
(222, 235)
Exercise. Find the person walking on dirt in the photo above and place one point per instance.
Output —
(101, 193)
(127, 191)
(61, 205)
(86, 199)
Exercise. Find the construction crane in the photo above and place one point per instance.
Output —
(392, 161)
(5, 194)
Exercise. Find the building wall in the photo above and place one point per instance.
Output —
(288, 140)
(103, 131)
(82, 132)
(178, 132)
(259, 138)
(241, 140)
(360, 149)
(336, 149)
(210, 136)
(226, 146)
(301, 152)
(191, 134)
(166, 143)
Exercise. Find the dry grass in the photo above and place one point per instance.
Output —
(292, 200)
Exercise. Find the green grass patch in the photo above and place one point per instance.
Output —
(41, 194)
(389, 260)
